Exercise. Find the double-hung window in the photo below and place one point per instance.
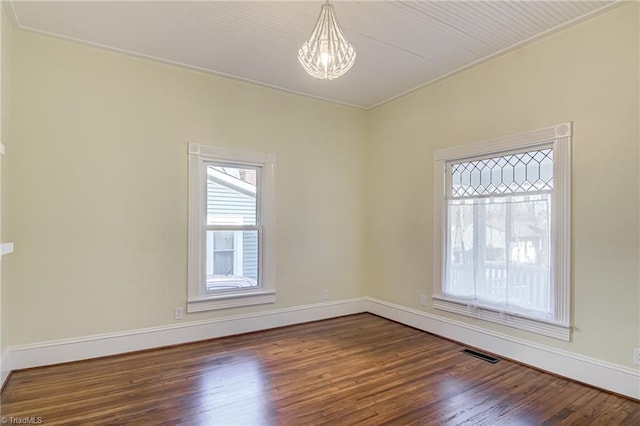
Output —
(231, 239)
(502, 230)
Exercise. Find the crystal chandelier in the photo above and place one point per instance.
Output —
(327, 54)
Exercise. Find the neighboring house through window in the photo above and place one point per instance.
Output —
(230, 228)
(502, 224)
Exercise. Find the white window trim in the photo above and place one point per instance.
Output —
(560, 136)
(198, 298)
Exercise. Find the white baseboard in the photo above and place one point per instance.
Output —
(5, 366)
(66, 350)
(601, 374)
(604, 375)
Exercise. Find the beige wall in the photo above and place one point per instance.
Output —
(587, 74)
(97, 168)
(6, 45)
(97, 204)
(638, 164)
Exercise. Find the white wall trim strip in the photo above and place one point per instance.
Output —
(601, 374)
(66, 350)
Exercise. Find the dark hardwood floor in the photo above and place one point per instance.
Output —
(359, 369)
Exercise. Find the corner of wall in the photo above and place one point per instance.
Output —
(6, 33)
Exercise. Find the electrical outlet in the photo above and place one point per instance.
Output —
(325, 294)
(423, 299)
(178, 313)
(636, 356)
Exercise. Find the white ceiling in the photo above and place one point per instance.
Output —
(400, 45)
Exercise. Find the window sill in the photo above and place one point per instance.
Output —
(546, 328)
(231, 300)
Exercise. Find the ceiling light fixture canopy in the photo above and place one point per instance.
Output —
(327, 54)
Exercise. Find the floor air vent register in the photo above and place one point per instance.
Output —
(480, 355)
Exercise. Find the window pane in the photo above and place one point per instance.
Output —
(223, 240)
(231, 260)
(231, 195)
(223, 263)
(508, 174)
(460, 267)
(499, 252)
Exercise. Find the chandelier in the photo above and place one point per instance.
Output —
(327, 54)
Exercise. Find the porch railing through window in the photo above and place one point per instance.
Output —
(516, 286)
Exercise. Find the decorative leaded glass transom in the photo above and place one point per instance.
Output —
(524, 172)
